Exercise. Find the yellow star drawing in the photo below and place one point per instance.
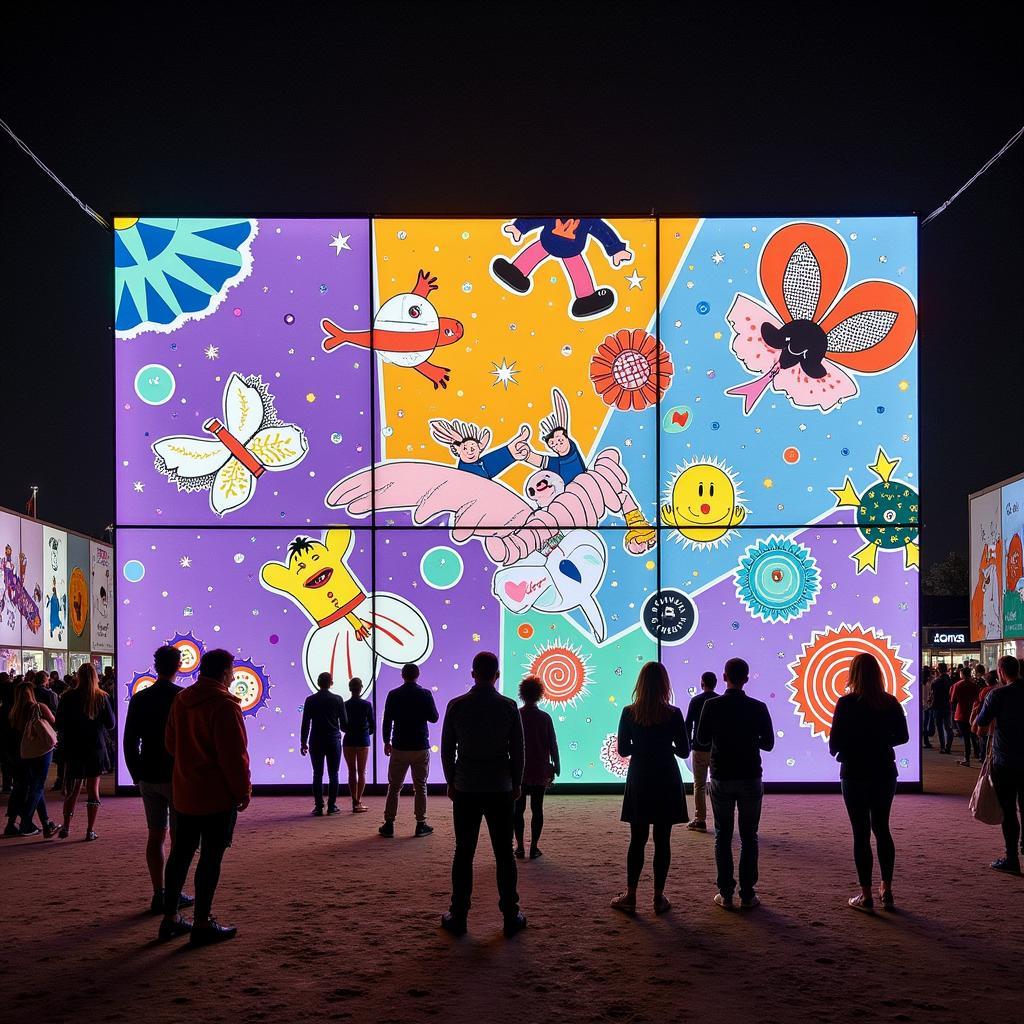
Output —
(846, 496)
(912, 555)
(884, 466)
(866, 557)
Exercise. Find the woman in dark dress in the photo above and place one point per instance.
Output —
(356, 745)
(652, 734)
(867, 724)
(83, 718)
(541, 767)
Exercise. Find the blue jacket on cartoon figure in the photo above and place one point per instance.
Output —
(489, 465)
(562, 242)
(568, 466)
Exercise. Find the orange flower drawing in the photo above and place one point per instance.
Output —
(631, 369)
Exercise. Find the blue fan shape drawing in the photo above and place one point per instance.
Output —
(168, 270)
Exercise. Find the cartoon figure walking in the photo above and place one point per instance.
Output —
(565, 239)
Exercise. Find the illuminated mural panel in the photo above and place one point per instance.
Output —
(520, 451)
(1013, 548)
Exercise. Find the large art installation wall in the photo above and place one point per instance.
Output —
(583, 443)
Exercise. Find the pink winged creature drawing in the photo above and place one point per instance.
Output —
(507, 525)
(813, 339)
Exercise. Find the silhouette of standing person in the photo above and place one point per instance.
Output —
(866, 725)
(738, 728)
(356, 745)
(408, 711)
(324, 718)
(652, 734)
(483, 756)
(542, 764)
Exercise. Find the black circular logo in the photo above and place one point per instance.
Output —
(670, 616)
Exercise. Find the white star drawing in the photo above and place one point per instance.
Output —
(185, 562)
(717, 257)
(340, 241)
(139, 486)
(211, 352)
(504, 374)
(635, 280)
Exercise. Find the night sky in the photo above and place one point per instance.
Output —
(431, 109)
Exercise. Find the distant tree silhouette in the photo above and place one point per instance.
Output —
(948, 576)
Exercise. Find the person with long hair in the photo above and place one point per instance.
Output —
(83, 718)
(868, 723)
(356, 745)
(652, 734)
(541, 765)
(28, 798)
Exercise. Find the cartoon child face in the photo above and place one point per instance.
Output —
(543, 487)
(558, 442)
(468, 450)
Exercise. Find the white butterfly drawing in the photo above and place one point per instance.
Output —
(249, 441)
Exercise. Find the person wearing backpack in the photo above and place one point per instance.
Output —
(31, 724)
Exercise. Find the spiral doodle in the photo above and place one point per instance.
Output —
(563, 671)
(821, 672)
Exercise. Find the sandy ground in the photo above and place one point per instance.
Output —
(338, 924)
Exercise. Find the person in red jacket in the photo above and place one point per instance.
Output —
(961, 702)
(210, 784)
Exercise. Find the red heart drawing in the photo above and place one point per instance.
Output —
(517, 591)
(680, 417)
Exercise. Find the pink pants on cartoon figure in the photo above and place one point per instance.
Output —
(576, 267)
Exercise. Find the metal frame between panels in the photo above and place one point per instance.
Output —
(656, 218)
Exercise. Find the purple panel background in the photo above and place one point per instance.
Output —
(464, 621)
(225, 593)
(296, 273)
(725, 629)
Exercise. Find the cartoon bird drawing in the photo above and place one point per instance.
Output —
(406, 331)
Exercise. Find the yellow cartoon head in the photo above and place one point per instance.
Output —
(704, 503)
(315, 576)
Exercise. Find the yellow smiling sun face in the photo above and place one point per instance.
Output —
(704, 504)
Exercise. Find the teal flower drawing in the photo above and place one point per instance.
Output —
(777, 580)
